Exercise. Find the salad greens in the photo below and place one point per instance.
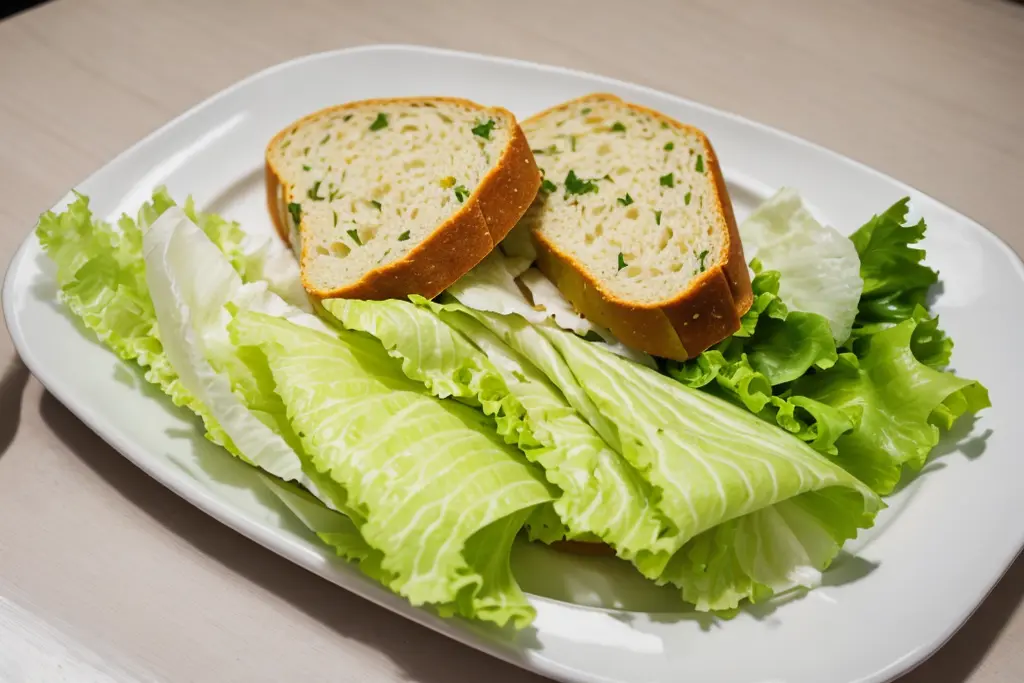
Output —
(447, 349)
(430, 479)
(418, 438)
(818, 266)
(877, 402)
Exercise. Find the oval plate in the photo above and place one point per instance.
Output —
(944, 542)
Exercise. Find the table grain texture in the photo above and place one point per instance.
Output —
(105, 575)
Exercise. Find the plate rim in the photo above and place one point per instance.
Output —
(224, 513)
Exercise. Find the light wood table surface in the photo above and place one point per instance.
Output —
(105, 575)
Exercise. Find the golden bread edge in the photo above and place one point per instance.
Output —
(708, 311)
(453, 248)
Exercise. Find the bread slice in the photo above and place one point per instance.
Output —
(634, 225)
(385, 198)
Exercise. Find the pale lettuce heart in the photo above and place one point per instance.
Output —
(819, 267)
(496, 285)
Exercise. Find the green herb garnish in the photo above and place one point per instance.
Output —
(483, 130)
(307, 167)
(550, 149)
(669, 146)
(657, 217)
(346, 117)
(334, 193)
(572, 142)
(404, 236)
(461, 193)
(380, 122)
(625, 201)
(585, 110)
(686, 198)
(335, 217)
(622, 262)
(547, 186)
(574, 185)
(296, 211)
(617, 127)
(375, 203)
(354, 234)
(667, 180)
(700, 163)
(326, 138)
(314, 192)
(703, 255)
(305, 152)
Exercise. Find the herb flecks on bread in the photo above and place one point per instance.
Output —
(387, 198)
(634, 225)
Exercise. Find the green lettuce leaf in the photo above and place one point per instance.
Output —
(897, 404)
(452, 353)
(711, 462)
(430, 477)
(102, 278)
(896, 281)
(754, 367)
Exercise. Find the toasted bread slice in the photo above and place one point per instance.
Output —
(634, 225)
(386, 198)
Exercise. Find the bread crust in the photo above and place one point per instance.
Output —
(679, 328)
(453, 248)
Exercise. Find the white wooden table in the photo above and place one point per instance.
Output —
(104, 575)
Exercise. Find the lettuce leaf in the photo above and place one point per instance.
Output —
(194, 288)
(896, 402)
(447, 349)
(710, 463)
(877, 406)
(773, 348)
(430, 477)
(102, 277)
(896, 282)
(500, 284)
(819, 266)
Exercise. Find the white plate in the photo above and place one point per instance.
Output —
(944, 542)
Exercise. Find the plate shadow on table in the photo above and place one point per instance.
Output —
(426, 656)
(12, 388)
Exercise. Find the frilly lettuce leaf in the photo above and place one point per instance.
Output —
(102, 277)
(435, 484)
(819, 266)
(875, 408)
(896, 281)
(896, 402)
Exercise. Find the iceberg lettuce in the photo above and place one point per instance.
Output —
(818, 265)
